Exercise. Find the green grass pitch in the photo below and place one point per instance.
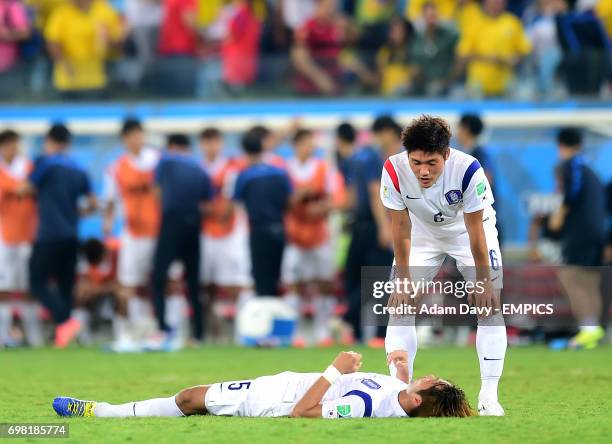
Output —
(549, 396)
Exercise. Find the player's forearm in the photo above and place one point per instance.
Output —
(478, 243)
(311, 399)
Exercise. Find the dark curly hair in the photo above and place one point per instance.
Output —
(427, 133)
(443, 400)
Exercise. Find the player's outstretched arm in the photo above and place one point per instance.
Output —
(310, 404)
(478, 246)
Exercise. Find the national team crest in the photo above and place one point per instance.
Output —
(453, 197)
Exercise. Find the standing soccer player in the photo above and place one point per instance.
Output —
(265, 192)
(129, 184)
(184, 187)
(439, 201)
(59, 183)
(224, 229)
(308, 258)
(17, 228)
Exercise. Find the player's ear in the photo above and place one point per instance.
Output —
(446, 154)
(415, 399)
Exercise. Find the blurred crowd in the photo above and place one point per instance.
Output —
(96, 49)
(195, 230)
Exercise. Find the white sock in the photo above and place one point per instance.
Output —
(150, 407)
(82, 315)
(175, 311)
(121, 328)
(32, 324)
(402, 337)
(5, 322)
(134, 310)
(323, 311)
(491, 344)
(244, 296)
(295, 301)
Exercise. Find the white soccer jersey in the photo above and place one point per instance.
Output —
(355, 395)
(438, 211)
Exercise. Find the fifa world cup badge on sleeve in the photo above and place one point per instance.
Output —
(385, 192)
(480, 189)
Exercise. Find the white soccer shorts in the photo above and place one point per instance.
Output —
(14, 267)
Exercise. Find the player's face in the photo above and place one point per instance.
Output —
(134, 140)
(427, 167)
(9, 149)
(211, 147)
(305, 147)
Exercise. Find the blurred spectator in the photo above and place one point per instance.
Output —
(603, 9)
(316, 52)
(143, 18)
(372, 17)
(297, 12)
(80, 35)
(394, 59)
(546, 49)
(586, 48)
(14, 29)
(582, 221)
(177, 46)
(492, 50)
(447, 9)
(240, 48)
(433, 50)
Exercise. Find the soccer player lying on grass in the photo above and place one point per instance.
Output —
(339, 392)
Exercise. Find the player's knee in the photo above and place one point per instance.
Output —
(191, 401)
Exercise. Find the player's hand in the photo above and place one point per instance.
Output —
(399, 358)
(347, 362)
(484, 297)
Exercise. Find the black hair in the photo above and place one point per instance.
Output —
(570, 136)
(178, 140)
(252, 140)
(8, 135)
(59, 133)
(130, 124)
(94, 251)
(346, 132)
(300, 134)
(427, 133)
(210, 133)
(386, 122)
(473, 123)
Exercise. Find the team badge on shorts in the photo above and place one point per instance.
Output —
(453, 197)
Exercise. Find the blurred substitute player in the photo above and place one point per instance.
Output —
(17, 228)
(184, 188)
(339, 392)
(60, 185)
(439, 200)
(265, 192)
(129, 186)
(224, 228)
(581, 220)
(309, 258)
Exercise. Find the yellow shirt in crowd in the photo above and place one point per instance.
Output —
(502, 36)
(603, 9)
(83, 37)
(446, 9)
